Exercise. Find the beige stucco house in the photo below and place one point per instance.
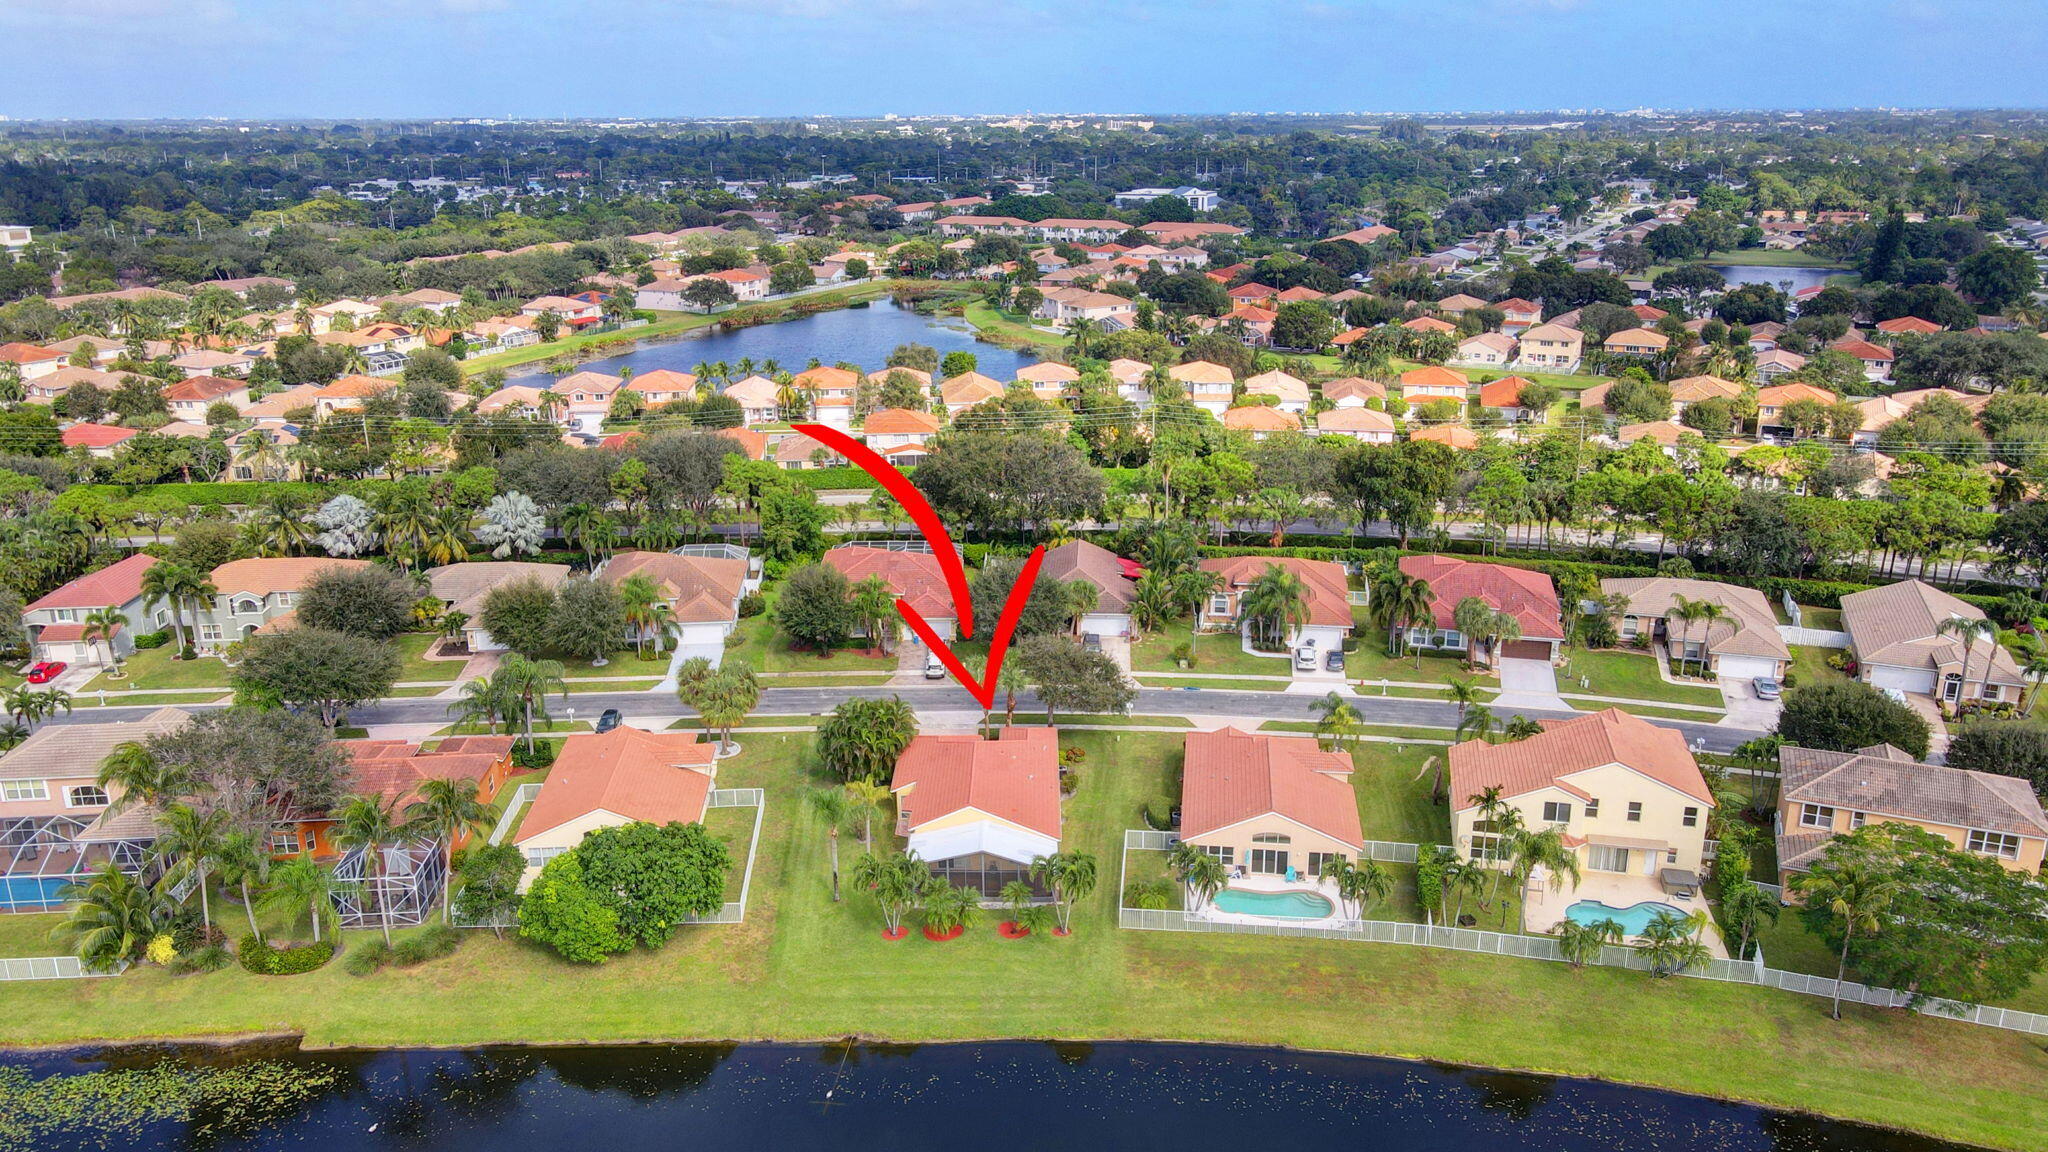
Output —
(1276, 806)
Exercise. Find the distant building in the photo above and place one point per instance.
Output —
(1200, 199)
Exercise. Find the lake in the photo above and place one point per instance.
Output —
(937, 1098)
(864, 334)
(1775, 275)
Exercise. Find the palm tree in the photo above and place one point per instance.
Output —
(1201, 875)
(1012, 680)
(1709, 613)
(639, 596)
(113, 919)
(2035, 667)
(1153, 602)
(830, 805)
(1336, 721)
(1671, 944)
(723, 699)
(245, 862)
(102, 624)
(193, 843)
(874, 606)
(1274, 604)
(300, 886)
(1527, 851)
(1361, 885)
(528, 682)
(1969, 630)
(369, 823)
(864, 802)
(1856, 895)
(1463, 692)
(1477, 724)
(897, 882)
(1746, 905)
(1463, 878)
(449, 807)
(1520, 727)
(484, 701)
(132, 774)
(1581, 944)
(1070, 877)
(179, 585)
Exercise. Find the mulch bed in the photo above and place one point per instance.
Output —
(1011, 930)
(938, 939)
(895, 933)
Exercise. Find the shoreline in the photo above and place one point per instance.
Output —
(226, 1044)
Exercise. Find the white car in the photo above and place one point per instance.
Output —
(934, 669)
(1304, 659)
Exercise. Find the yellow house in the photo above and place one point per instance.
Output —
(1268, 805)
(1626, 794)
(1827, 794)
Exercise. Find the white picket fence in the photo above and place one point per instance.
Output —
(521, 796)
(1480, 941)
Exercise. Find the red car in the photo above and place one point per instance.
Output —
(47, 671)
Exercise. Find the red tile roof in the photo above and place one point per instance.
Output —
(112, 586)
(395, 769)
(95, 435)
(1564, 747)
(658, 777)
(1015, 778)
(1528, 596)
(913, 576)
(1230, 776)
(1329, 594)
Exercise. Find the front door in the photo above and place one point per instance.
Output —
(1952, 687)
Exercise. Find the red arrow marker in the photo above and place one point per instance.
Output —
(927, 520)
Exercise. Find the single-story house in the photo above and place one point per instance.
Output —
(1111, 575)
(915, 577)
(464, 587)
(1895, 633)
(1367, 424)
(703, 592)
(1268, 805)
(1328, 594)
(623, 776)
(1743, 646)
(1528, 596)
(977, 811)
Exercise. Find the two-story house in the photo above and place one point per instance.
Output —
(1550, 348)
(900, 435)
(250, 594)
(191, 398)
(1209, 387)
(58, 622)
(54, 809)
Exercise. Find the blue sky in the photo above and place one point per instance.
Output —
(401, 58)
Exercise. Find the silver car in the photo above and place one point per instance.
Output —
(1765, 688)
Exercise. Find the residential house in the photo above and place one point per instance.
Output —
(1665, 433)
(1112, 577)
(1273, 806)
(1636, 342)
(703, 593)
(915, 577)
(1744, 644)
(252, 595)
(1433, 382)
(349, 313)
(56, 622)
(1773, 402)
(1626, 795)
(756, 396)
(54, 810)
(464, 587)
(662, 386)
(1550, 348)
(1367, 424)
(1488, 348)
(394, 771)
(1458, 303)
(1353, 392)
(1527, 596)
(1327, 591)
(832, 391)
(1520, 314)
(1047, 379)
(1505, 397)
(191, 398)
(1823, 795)
(1065, 305)
(797, 451)
(1260, 421)
(1690, 390)
(436, 300)
(902, 436)
(1292, 393)
(1896, 633)
(1130, 377)
(1908, 326)
(624, 776)
(98, 440)
(977, 811)
(1450, 435)
(966, 390)
(575, 313)
(213, 362)
(1429, 324)
(1876, 358)
(32, 361)
(1209, 387)
(347, 393)
(1368, 234)
(1777, 362)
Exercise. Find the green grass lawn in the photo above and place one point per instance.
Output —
(1012, 326)
(1368, 663)
(1212, 682)
(1810, 666)
(154, 668)
(1630, 675)
(1217, 653)
(802, 968)
(28, 934)
(413, 647)
(1393, 786)
(767, 649)
(1828, 619)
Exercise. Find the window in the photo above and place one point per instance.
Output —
(1555, 812)
(1592, 808)
(1606, 858)
(1219, 605)
(84, 796)
(1317, 861)
(2001, 845)
(535, 857)
(162, 617)
(1486, 847)
(1267, 861)
(1271, 838)
(1816, 816)
(1856, 820)
(284, 841)
(24, 790)
(64, 615)
(1227, 855)
(209, 632)
(1671, 855)
(247, 607)
(284, 599)
(1691, 819)
(1635, 811)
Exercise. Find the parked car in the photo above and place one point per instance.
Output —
(609, 720)
(46, 671)
(1766, 688)
(934, 669)
(1091, 641)
(1304, 659)
(1334, 662)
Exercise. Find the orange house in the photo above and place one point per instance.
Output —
(394, 770)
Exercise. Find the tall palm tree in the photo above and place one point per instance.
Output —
(639, 597)
(1274, 604)
(1969, 630)
(1746, 905)
(830, 805)
(2035, 667)
(174, 583)
(1361, 885)
(192, 843)
(484, 701)
(245, 863)
(528, 682)
(302, 887)
(1337, 721)
(100, 625)
(1070, 877)
(1529, 850)
(448, 807)
(865, 800)
(131, 774)
(370, 823)
(1464, 692)
(1581, 944)
(1200, 875)
(1856, 895)
(1478, 724)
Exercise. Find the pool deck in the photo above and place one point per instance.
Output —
(1248, 883)
(1545, 907)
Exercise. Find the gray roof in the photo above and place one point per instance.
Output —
(1080, 560)
(1752, 632)
(1899, 625)
(1883, 781)
(74, 750)
(463, 586)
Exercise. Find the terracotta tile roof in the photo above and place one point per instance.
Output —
(969, 388)
(19, 353)
(1277, 383)
(1552, 332)
(71, 751)
(1015, 778)
(1899, 624)
(1883, 781)
(395, 769)
(799, 448)
(1433, 376)
(1259, 418)
(1662, 431)
(900, 422)
(1912, 324)
(1231, 776)
(1459, 302)
(1528, 596)
(1505, 392)
(1355, 420)
(703, 589)
(112, 586)
(1112, 575)
(1454, 435)
(1499, 342)
(1515, 305)
(913, 576)
(826, 378)
(659, 777)
(754, 392)
(1566, 747)
(1367, 234)
(661, 381)
(95, 435)
(753, 443)
(1428, 324)
(1638, 338)
(1862, 349)
(1047, 372)
(1346, 387)
(1782, 395)
(1752, 632)
(203, 388)
(1693, 389)
(1200, 372)
(1329, 593)
(264, 575)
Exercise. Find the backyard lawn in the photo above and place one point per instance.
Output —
(1393, 785)
(28, 934)
(1810, 666)
(154, 668)
(801, 967)
(1631, 675)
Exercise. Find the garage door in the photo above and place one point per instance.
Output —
(1105, 624)
(1526, 650)
(1748, 667)
(1903, 679)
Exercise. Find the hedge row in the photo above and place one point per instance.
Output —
(263, 960)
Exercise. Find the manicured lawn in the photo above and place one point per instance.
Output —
(1810, 666)
(413, 646)
(1011, 325)
(28, 934)
(1393, 786)
(1217, 653)
(1629, 675)
(1213, 682)
(155, 668)
(1432, 736)
(1368, 663)
(767, 649)
(1828, 619)
(91, 699)
(801, 967)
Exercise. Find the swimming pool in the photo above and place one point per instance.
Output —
(31, 891)
(1287, 905)
(1632, 919)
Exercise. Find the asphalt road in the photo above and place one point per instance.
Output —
(806, 703)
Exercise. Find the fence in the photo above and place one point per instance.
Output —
(1151, 840)
(1813, 637)
(50, 968)
(521, 797)
(1482, 942)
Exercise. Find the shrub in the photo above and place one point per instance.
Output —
(1157, 821)
(211, 958)
(752, 604)
(364, 959)
(149, 640)
(263, 960)
(541, 755)
(430, 943)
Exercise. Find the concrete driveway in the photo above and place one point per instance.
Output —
(1738, 695)
(1527, 684)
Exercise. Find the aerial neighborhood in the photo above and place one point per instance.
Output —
(530, 578)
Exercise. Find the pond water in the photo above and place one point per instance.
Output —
(864, 334)
(1776, 275)
(942, 1098)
